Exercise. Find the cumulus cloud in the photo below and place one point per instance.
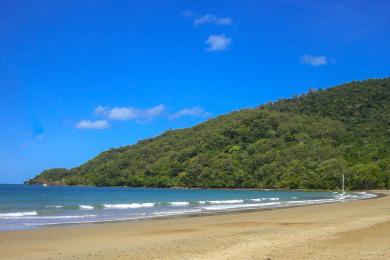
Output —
(129, 113)
(213, 19)
(314, 60)
(194, 111)
(87, 124)
(139, 115)
(218, 43)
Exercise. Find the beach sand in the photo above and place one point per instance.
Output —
(350, 230)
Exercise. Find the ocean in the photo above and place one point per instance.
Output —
(26, 207)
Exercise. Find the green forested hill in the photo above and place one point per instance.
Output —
(303, 142)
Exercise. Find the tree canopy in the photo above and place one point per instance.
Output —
(303, 142)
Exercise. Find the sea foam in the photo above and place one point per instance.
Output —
(240, 206)
(175, 212)
(128, 206)
(305, 202)
(264, 199)
(60, 217)
(17, 214)
(257, 200)
(86, 207)
(179, 203)
(225, 201)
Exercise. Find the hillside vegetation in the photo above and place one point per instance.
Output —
(303, 142)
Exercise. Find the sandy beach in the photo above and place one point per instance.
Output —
(350, 230)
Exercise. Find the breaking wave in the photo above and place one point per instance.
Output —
(17, 214)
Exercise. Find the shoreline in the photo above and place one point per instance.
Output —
(282, 205)
(201, 214)
(236, 235)
(192, 188)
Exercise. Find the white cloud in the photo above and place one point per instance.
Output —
(194, 111)
(87, 124)
(218, 43)
(314, 60)
(213, 19)
(101, 110)
(129, 113)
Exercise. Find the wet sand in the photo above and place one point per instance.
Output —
(350, 230)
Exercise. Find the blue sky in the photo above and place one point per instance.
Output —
(80, 77)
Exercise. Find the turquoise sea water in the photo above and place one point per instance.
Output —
(24, 206)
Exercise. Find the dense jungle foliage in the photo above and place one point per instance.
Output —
(303, 142)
